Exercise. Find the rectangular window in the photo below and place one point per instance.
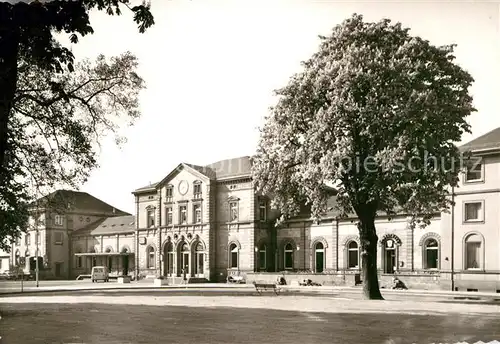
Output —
(197, 190)
(474, 171)
(473, 212)
(58, 220)
(263, 211)
(169, 216)
(151, 218)
(233, 211)
(37, 238)
(27, 239)
(182, 214)
(169, 194)
(18, 241)
(58, 238)
(197, 213)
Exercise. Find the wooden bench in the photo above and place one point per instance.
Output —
(260, 287)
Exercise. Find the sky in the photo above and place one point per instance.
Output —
(211, 67)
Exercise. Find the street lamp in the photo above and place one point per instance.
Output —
(37, 238)
(36, 254)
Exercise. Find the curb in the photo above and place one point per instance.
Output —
(145, 288)
(250, 287)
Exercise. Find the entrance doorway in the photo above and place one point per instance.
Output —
(390, 261)
(390, 256)
(168, 259)
(183, 259)
(199, 260)
(320, 257)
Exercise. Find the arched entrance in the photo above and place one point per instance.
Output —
(390, 253)
(109, 259)
(319, 257)
(125, 257)
(168, 259)
(183, 258)
(199, 263)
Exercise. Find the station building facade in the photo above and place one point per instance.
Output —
(209, 222)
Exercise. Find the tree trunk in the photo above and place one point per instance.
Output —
(9, 42)
(368, 238)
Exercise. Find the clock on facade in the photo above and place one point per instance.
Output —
(183, 187)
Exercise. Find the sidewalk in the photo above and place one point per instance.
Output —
(67, 286)
(300, 303)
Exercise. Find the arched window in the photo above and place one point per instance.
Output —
(319, 251)
(262, 257)
(184, 259)
(431, 254)
(169, 258)
(200, 259)
(352, 255)
(473, 252)
(150, 257)
(233, 256)
(288, 256)
(197, 189)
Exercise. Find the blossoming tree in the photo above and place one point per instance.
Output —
(375, 112)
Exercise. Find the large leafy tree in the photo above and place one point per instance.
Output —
(56, 123)
(376, 113)
(49, 100)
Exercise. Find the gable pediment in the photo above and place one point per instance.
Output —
(183, 168)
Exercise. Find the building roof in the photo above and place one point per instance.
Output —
(235, 167)
(224, 169)
(113, 225)
(67, 200)
(150, 187)
(490, 140)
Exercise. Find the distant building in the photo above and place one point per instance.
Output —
(209, 222)
(62, 225)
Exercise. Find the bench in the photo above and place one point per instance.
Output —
(260, 287)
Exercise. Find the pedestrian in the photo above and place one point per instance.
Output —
(184, 271)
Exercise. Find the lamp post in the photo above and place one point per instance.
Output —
(37, 238)
(36, 255)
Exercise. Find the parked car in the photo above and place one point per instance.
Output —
(15, 276)
(99, 273)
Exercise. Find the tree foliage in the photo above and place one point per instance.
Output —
(57, 122)
(52, 113)
(375, 111)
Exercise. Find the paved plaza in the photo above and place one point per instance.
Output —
(172, 318)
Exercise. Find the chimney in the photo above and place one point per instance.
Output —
(114, 210)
